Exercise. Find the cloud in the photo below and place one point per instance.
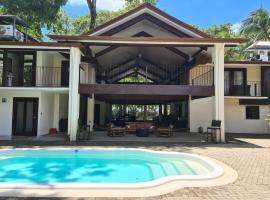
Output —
(236, 27)
(101, 4)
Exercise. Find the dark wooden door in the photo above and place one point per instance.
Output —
(266, 81)
(65, 74)
(97, 114)
(25, 116)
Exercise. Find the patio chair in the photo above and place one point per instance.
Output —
(115, 131)
(215, 127)
(164, 131)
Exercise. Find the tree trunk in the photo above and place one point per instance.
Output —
(93, 12)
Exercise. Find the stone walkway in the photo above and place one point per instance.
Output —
(250, 160)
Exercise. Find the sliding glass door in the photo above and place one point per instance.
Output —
(235, 81)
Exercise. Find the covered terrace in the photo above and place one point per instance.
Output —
(173, 70)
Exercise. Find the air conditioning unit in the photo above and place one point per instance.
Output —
(19, 36)
(6, 32)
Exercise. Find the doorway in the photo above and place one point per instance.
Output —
(97, 114)
(25, 116)
(265, 81)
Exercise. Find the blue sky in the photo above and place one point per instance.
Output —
(198, 12)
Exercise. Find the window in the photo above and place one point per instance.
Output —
(252, 112)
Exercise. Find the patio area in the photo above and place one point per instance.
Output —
(247, 154)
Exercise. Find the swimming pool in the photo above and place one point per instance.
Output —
(79, 168)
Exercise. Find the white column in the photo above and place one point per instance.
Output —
(91, 111)
(218, 60)
(74, 97)
(56, 113)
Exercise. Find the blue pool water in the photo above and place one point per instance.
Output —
(93, 166)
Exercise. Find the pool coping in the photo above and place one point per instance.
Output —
(222, 175)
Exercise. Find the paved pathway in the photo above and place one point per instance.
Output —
(251, 161)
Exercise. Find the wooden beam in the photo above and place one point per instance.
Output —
(150, 18)
(152, 90)
(150, 78)
(178, 52)
(144, 34)
(140, 99)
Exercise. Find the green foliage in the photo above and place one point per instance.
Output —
(63, 24)
(106, 15)
(226, 31)
(67, 26)
(222, 31)
(80, 25)
(37, 13)
(130, 4)
(257, 25)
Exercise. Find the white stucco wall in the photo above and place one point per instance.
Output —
(236, 122)
(46, 113)
(46, 110)
(6, 109)
(253, 71)
(63, 106)
(201, 113)
(49, 68)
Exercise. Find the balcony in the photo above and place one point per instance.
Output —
(147, 84)
(250, 89)
(40, 76)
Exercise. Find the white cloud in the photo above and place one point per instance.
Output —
(101, 4)
(236, 27)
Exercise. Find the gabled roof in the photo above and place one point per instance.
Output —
(147, 41)
(259, 45)
(147, 7)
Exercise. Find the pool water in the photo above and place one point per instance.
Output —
(94, 166)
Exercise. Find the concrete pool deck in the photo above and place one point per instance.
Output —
(250, 157)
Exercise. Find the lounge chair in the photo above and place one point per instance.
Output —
(115, 131)
(165, 131)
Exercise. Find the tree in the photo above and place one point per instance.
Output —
(37, 14)
(63, 25)
(222, 31)
(130, 4)
(257, 25)
(93, 12)
(226, 31)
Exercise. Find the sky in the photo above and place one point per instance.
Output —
(203, 13)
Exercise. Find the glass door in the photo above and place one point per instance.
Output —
(234, 82)
(25, 116)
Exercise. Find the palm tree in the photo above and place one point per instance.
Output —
(257, 25)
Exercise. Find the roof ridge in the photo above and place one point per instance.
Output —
(153, 8)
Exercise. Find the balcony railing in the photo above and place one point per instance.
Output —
(151, 75)
(252, 88)
(41, 76)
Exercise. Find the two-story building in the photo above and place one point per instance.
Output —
(54, 84)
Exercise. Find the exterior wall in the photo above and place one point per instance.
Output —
(46, 113)
(87, 74)
(48, 68)
(236, 122)
(102, 118)
(201, 113)
(63, 106)
(253, 71)
(6, 110)
(47, 110)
